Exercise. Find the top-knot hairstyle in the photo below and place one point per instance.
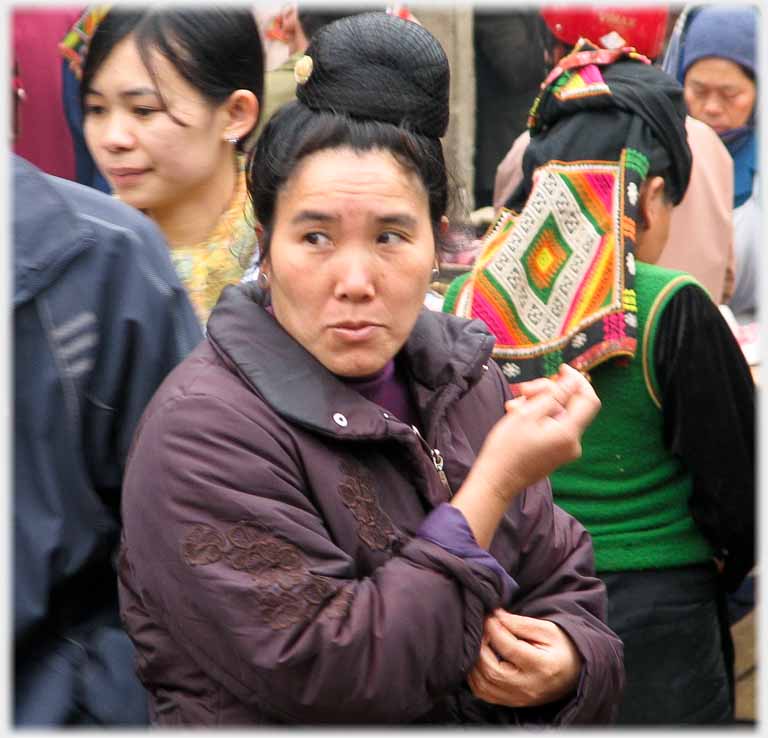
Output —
(375, 81)
(379, 67)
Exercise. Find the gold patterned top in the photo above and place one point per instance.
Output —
(224, 257)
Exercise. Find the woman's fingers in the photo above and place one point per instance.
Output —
(548, 401)
(525, 661)
(504, 643)
(532, 388)
(533, 630)
(571, 389)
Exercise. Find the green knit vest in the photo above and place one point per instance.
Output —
(627, 489)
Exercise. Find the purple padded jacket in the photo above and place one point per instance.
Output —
(270, 571)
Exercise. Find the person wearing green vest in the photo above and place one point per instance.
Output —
(666, 483)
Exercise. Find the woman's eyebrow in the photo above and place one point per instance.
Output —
(312, 215)
(401, 219)
(133, 92)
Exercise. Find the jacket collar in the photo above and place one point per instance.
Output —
(441, 351)
(46, 233)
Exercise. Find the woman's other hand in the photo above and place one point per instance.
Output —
(524, 662)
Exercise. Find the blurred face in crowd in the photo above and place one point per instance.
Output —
(719, 93)
(350, 258)
(157, 140)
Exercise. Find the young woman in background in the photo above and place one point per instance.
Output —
(169, 97)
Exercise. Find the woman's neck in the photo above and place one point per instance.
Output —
(190, 219)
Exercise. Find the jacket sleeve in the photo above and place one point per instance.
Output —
(146, 327)
(557, 583)
(255, 590)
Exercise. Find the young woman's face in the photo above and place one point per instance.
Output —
(350, 258)
(149, 159)
(718, 93)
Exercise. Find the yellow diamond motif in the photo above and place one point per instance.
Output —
(544, 259)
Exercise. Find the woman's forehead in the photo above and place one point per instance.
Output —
(128, 59)
(343, 171)
(716, 71)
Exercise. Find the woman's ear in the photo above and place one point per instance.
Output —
(652, 204)
(266, 268)
(242, 111)
(654, 212)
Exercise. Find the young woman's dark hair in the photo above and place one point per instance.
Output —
(216, 50)
(398, 103)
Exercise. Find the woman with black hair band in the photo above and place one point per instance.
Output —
(666, 483)
(170, 96)
(332, 513)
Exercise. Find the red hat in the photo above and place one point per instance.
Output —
(641, 27)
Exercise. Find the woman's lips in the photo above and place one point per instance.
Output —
(125, 176)
(354, 332)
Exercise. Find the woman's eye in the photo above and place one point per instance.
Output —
(93, 109)
(390, 238)
(144, 112)
(317, 239)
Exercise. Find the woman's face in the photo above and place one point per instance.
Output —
(718, 93)
(350, 259)
(149, 159)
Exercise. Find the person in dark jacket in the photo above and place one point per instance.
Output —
(99, 319)
(334, 513)
(509, 66)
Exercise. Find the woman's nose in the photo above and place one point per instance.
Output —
(117, 133)
(354, 278)
(712, 105)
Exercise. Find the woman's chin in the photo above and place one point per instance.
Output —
(356, 367)
(135, 200)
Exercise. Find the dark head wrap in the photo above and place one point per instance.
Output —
(379, 67)
(636, 105)
(555, 283)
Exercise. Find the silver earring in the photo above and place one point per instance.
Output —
(232, 139)
(263, 280)
(435, 274)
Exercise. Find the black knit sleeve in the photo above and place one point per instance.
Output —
(708, 402)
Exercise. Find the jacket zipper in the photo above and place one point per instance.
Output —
(436, 457)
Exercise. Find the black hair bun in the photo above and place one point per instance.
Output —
(379, 67)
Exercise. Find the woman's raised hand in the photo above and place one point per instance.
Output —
(540, 432)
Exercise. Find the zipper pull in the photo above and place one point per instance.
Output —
(436, 457)
(437, 460)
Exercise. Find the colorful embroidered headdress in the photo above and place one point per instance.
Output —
(554, 283)
(74, 46)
